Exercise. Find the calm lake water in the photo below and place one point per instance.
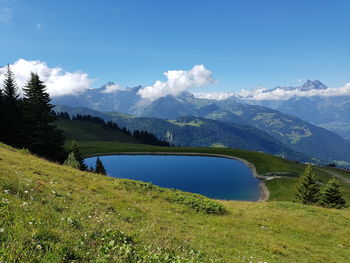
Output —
(215, 177)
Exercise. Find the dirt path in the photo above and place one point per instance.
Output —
(264, 191)
(346, 180)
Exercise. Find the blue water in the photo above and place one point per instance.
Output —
(215, 177)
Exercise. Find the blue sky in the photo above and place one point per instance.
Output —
(245, 44)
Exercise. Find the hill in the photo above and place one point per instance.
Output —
(53, 213)
(89, 131)
(198, 132)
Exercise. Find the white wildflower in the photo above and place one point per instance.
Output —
(2, 230)
(5, 201)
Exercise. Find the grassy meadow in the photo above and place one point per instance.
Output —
(53, 213)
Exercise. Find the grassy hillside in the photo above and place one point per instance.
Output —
(89, 131)
(52, 213)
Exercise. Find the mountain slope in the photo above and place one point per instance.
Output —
(331, 112)
(53, 213)
(89, 131)
(199, 132)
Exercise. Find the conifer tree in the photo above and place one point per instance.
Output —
(100, 169)
(79, 157)
(71, 161)
(11, 112)
(308, 190)
(331, 196)
(41, 137)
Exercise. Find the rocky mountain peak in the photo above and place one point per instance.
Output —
(311, 85)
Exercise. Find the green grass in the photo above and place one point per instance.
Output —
(89, 131)
(53, 213)
(196, 123)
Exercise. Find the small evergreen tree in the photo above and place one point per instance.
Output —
(331, 196)
(79, 157)
(100, 169)
(41, 137)
(308, 190)
(71, 161)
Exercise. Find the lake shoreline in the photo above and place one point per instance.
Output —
(264, 191)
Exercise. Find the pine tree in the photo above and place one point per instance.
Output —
(79, 157)
(42, 138)
(308, 190)
(71, 161)
(331, 195)
(100, 169)
(11, 111)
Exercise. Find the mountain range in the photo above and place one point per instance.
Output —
(330, 112)
(279, 120)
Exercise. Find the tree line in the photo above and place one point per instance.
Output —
(309, 191)
(143, 136)
(27, 121)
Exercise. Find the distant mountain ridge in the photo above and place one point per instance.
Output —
(330, 112)
(295, 133)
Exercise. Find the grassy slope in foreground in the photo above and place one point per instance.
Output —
(280, 189)
(55, 213)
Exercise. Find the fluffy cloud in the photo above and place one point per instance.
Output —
(276, 94)
(281, 94)
(214, 95)
(112, 88)
(177, 82)
(58, 81)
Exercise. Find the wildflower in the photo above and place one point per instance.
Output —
(6, 191)
(38, 246)
(30, 223)
(24, 204)
(26, 192)
(2, 230)
(5, 201)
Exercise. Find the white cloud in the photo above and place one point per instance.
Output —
(261, 93)
(112, 88)
(281, 94)
(177, 82)
(58, 81)
(214, 95)
(5, 14)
